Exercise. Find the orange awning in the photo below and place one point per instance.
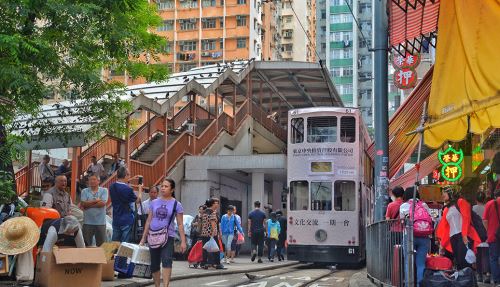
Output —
(406, 119)
(410, 22)
(426, 167)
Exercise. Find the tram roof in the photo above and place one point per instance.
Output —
(295, 84)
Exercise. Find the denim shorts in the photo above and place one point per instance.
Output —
(227, 239)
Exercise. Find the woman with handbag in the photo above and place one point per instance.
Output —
(159, 231)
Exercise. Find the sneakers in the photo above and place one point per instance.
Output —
(253, 257)
(272, 259)
(259, 261)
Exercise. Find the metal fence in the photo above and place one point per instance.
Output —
(386, 251)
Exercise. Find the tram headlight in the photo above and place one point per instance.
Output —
(320, 235)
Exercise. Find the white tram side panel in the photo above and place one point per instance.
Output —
(326, 185)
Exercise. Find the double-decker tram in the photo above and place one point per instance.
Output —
(329, 185)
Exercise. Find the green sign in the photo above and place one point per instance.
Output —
(451, 160)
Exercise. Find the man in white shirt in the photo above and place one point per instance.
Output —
(153, 194)
(97, 169)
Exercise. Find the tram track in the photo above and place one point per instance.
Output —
(289, 270)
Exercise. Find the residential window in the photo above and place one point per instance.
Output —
(168, 47)
(347, 72)
(340, 2)
(323, 14)
(287, 19)
(188, 24)
(208, 23)
(336, 72)
(189, 4)
(299, 195)
(187, 45)
(242, 2)
(345, 89)
(287, 47)
(340, 18)
(222, 2)
(221, 22)
(209, 3)
(241, 43)
(207, 45)
(168, 25)
(347, 54)
(221, 43)
(165, 4)
(241, 20)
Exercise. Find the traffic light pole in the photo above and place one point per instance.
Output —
(381, 109)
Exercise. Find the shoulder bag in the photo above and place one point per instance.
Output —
(158, 238)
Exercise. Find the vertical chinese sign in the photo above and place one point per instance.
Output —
(451, 160)
(405, 76)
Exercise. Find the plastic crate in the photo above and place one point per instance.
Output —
(124, 266)
(142, 270)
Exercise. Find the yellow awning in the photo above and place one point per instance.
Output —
(466, 81)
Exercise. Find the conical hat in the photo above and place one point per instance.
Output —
(18, 235)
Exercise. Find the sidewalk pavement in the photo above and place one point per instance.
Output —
(360, 279)
(181, 271)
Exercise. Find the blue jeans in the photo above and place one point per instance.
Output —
(495, 270)
(421, 246)
(121, 233)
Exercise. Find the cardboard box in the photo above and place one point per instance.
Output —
(108, 271)
(75, 267)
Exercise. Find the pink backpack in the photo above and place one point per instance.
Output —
(422, 224)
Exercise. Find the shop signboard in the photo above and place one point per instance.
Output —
(451, 160)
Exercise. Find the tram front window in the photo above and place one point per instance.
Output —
(299, 195)
(321, 129)
(321, 195)
(345, 195)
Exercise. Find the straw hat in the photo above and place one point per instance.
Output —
(18, 235)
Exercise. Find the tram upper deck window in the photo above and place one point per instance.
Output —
(299, 195)
(345, 195)
(321, 195)
(348, 129)
(297, 130)
(321, 129)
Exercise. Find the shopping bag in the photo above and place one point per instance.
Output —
(241, 238)
(470, 257)
(222, 246)
(196, 253)
(211, 246)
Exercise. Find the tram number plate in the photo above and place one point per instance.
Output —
(351, 251)
(346, 172)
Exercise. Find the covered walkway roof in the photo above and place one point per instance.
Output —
(277, 85)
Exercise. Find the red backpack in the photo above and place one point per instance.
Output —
(422, 224)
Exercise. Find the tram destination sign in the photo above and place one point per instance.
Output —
(335, 151)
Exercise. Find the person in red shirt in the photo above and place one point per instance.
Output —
(491, 222)
(393, 207)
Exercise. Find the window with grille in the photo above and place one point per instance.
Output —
(242, 2)
(165, 4)
(241, 43)
(207, 45)
(188, 24)
(187, 46)
(208, 23)
(209, 3)
(221, 22)
(168, 25)
(189, 4)
(241, 20)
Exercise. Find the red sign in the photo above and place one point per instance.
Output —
(405, 78)
(408, 61)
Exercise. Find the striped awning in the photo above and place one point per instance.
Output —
(426, 167)
(406, 119)
(412, 24)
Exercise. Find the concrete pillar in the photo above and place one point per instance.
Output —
(276, 200)
(257, 188)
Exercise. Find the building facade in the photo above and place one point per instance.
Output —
(298, 30)
(345, 50)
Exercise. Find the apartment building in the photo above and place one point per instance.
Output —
(298, 30)
(345, 50)
(271, 29)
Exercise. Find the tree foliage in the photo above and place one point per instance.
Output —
(61, 47)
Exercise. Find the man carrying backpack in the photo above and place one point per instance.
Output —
(422, 229)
